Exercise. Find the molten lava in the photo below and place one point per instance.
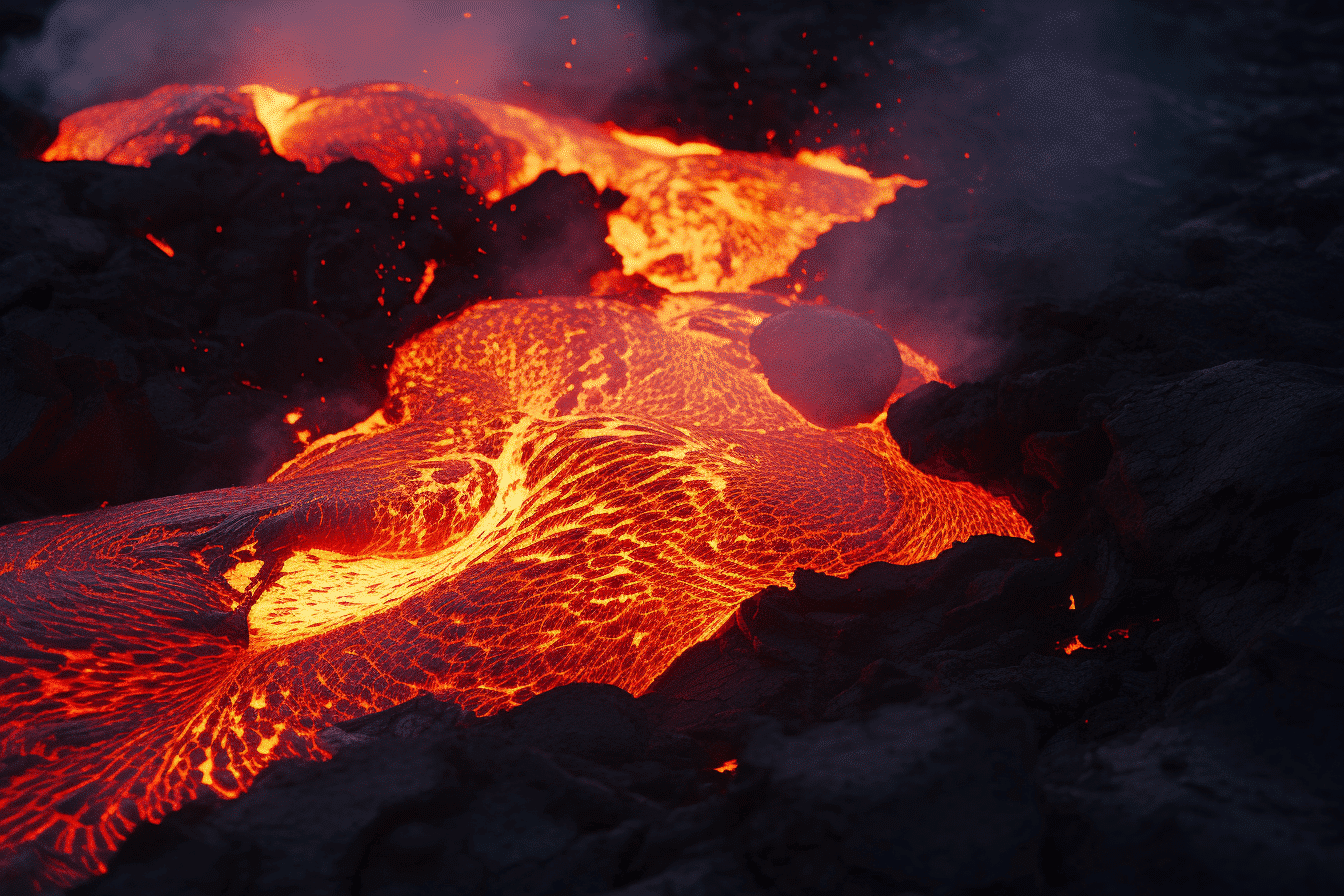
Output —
(558, 490)
(696, 217)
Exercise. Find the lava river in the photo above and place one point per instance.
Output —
(556, 490)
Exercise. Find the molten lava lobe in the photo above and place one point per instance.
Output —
(558, 490)
(832, 367)
(696, 217)
(407, 134)
(171, 119)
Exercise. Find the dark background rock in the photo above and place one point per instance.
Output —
(285, 291)
(914, 797)
(1145, 700)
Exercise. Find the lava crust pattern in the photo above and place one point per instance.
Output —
(558, 490)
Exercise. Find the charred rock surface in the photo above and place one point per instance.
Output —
(285, 291)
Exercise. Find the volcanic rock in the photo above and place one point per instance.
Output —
(1236, 790)
(594, 721)
(1247, 432)
(74, 435)
(286, 349)
(922, 798)
(834, 368)
(272, 268)
(1231, 475)
(951, 433)
(1036, 424)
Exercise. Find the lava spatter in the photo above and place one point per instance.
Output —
(558, 490)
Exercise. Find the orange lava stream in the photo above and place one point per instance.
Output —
(697, 217)
(558, 490)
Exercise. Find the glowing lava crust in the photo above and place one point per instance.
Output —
(696, 217)
(558, 490)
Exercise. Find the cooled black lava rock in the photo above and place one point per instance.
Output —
(286, 348)
(72, 433)
(924, 798)
(834, 368)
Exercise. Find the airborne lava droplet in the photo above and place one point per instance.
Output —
(162, 246)
(426, 280)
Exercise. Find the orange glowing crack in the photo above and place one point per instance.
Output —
(696, 217)
(558, 490)
(1075, 645)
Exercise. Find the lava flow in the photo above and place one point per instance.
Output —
(558, 490)
(696, 217)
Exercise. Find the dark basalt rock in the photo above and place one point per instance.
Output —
(287, 349)
(74, 435)
(934, 797)
(1235, 789)
(952, 433)
(598, 722)
(284, 290)
(1211, 459)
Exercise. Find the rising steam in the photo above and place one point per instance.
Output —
(573, 57)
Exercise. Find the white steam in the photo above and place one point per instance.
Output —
(92, 51)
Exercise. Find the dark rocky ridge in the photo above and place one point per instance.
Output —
(1174, 434)
(285, 290)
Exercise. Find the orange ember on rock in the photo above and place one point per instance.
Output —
(1075, 645)
(697, 217)
(558, 490)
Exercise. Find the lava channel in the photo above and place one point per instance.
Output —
(558, 490)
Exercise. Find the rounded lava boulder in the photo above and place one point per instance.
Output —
(834, 368)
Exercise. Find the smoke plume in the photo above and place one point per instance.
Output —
(571, 56)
